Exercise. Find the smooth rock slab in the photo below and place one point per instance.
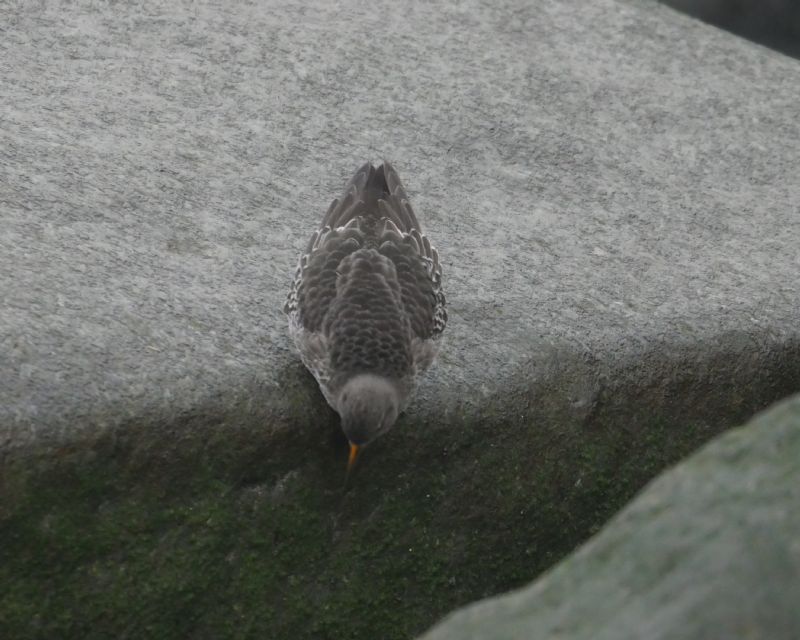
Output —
(599, 190)
(710, 550)
(613, 188)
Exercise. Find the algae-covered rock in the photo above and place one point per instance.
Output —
(616, 215)
(710, 550)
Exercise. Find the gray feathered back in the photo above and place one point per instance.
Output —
(367, 294)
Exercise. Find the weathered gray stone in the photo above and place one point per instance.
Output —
(612, 188)
(599, 191)
(710, 550)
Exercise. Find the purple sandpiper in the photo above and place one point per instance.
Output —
(366, 308)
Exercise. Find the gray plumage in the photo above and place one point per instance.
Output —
(366, 307)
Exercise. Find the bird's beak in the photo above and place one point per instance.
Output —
(352, 459)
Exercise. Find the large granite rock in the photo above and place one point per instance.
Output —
(612, 188)
(710, 550)
(598, 191)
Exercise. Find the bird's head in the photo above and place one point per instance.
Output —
(368, 405)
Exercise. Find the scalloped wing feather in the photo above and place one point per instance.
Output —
(373, 214)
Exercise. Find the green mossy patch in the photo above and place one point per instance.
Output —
(431, 520)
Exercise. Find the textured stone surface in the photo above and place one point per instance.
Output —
(616, 214)
(709, 550)
(593, 184)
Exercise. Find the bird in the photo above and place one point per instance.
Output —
(366, 308)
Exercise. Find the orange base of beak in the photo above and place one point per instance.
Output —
(353, 454)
